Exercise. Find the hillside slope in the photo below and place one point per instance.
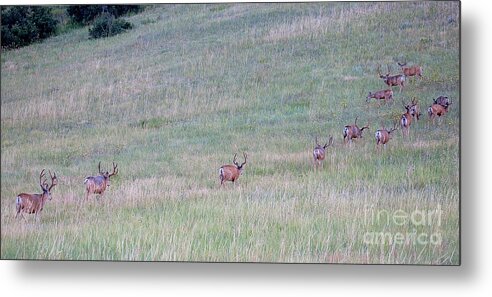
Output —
(191, 85)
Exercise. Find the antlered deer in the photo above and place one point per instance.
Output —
(353, 131)
(98, 184)
(231, 172)
(383, 94)
(393, 80)
(415, 109)
(384, 135)
(320, 151)
(406, 120)
(438, 110)
(411, 70)
(34, 203)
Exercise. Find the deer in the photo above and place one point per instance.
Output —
(411, 70)
(415, 109)
(353, 131)
(392, 80)
(34, 203)
(320, 151)
(442, 100)
(438, 110)
(383, 135)
(406, 119)
(382, 94)
(232, 172)
(98, 184)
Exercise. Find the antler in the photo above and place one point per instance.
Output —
(115, 170)
(54, 180)
(330, 142)
(41, 183)
(389, 71)
(355, 124)
(379, 70)
(99, 167)
(234, 160)
(245, 157)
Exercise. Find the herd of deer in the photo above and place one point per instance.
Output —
(34, 203)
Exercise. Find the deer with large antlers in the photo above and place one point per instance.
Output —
(380, 95)
(384, 135)
(406, 119)
(320, 151)
(34, 203)
(392, 80)
(438, 109)
(98, 184)
(353, 131)
(231, 172)
(411, 70)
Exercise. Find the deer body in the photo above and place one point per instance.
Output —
(231, 172)
(319, 151)
(34, 203)
(392, 80)
(395, 80)
(406, 120)
(383, 136)
(383, 94)
(98, 184)
(437, 110)
(353, 131)
(411, 70)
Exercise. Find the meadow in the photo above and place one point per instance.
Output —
(191, 85)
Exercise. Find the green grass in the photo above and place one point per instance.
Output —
(174, 98)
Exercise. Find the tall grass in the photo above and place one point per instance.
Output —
(173, 99)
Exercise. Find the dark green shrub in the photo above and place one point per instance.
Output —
(85, 14)
(23, 25)
(107, 25)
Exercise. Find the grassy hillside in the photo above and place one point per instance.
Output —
(173, 100)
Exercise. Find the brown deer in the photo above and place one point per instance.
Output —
(231, 172)
(378, 95)
(353, 131)
(411, 70)
(320, 151)
(438, 110)
(34, 203)
(406, 119)
(384, 135)
(98, 184)
(393, 80)
(415, 109)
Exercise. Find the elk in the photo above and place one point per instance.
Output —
(231, 172)
(353, 131)
(411, 70)
(393, 80)
(320, 151)
(383, 94)
(34, 203)
(384, 135)
(98, 184)
(438, 110)
(406, 119)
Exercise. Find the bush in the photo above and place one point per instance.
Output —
(85, 14)
(107, 25)
(23, 25)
